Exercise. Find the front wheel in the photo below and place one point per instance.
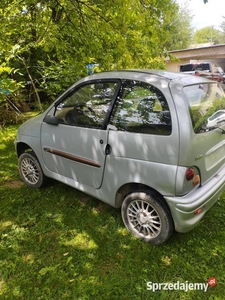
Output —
(30, 170)
(147, 216)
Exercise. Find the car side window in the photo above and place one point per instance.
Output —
(88, 105)
(141, 108)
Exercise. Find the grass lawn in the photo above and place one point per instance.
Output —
(58, 243)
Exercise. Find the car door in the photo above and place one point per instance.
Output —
(144, 146)
(75, 147)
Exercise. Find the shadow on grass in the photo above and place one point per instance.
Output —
(58, 243)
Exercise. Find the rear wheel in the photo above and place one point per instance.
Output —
(147, 216)
(30, 170)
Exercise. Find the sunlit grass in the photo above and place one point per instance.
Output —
(8, 158)
(82, 241)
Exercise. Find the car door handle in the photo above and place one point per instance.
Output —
(108, 149)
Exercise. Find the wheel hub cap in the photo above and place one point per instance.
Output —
(144, 219)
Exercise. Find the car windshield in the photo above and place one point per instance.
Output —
(206, 106)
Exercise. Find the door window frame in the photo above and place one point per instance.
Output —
(159, 93)
(72, 90)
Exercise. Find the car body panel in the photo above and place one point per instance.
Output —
(184, 209)
(206, 150)
(75, 152)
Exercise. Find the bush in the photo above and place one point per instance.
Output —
(8, 117)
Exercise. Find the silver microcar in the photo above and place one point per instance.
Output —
(139, 140)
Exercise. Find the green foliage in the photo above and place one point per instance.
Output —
(8, 86)
(57, 77)
(208, 34)
(51, 42)
(181, 32)
(58, 243)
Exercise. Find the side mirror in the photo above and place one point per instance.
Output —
(51, 120)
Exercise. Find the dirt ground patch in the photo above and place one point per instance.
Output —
(14, 184)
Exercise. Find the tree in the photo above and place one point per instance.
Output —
(207, 35)
(181, 32)
(50, 42)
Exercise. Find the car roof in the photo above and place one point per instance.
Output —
(145, 74)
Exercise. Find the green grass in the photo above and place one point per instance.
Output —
(58, 243)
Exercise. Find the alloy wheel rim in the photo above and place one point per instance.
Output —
(30, 171)
(144, 219)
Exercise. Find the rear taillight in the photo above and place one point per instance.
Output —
(190, 174)
(219, 78)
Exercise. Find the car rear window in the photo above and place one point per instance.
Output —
(194, 67)
(206, 106)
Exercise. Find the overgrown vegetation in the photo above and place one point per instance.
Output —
(58, 243)
(47, 45)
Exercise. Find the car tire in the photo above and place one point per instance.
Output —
(147, 217)
(30, 170)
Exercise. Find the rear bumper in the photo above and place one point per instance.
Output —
(183, 208)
